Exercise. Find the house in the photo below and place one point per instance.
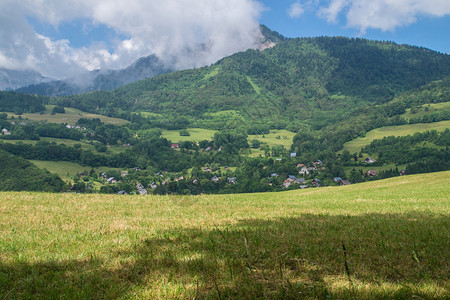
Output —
(111, 180)
(153, 185)
(303, 171)
(371, 173)
(206, 169)
(293, 154)
(124, 174)
(274, 175)
(301, 166)
(337, 179)
(316, 182)
(208, 149)
(215, 179)
(300, 180)
(232, 180)
(5, 131)
(122, 193)
(139, 186)
(369, 160)
(286, 184)
(304, 186)
(173, 146)
(403, 172)
(179, 178)
(291, 178)
(142, 191)
(103, 175)
(195, 181)
(344, 182)
(220, 149)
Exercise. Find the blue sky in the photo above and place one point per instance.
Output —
(61, 40)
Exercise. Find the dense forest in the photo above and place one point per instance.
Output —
(17, 174)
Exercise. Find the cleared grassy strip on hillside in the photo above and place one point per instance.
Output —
(274, 245)
(403, 130)
(71, 116)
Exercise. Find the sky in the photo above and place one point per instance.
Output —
(60, 38)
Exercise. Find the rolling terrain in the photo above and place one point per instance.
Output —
(383, 239)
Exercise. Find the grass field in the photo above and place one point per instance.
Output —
(196, 135)
(384, 239)
(67, 169)
(285, 138)
(379, 133)
(71, 116)
(427, 109)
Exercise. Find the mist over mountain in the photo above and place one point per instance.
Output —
(13, 79)
(144, 67)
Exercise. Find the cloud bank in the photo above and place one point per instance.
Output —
(187, 33)
(385, 15)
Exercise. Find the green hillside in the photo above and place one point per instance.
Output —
(296, 84)
(17, 174)
(377, 240)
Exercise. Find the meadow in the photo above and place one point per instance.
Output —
(383, 239)
(71, 116)
(67, 170)
(426, 110)
(355, 145)
(196, 135)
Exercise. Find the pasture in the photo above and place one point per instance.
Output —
(71, 116)
(355, 145)
(383, 239)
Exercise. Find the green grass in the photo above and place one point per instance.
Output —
(67, 169)
(432, 108)
(197, 134)
(254, 86)
(285, 245)
(403, 130)
(71, 116)
(368, 167)
(86, 146)
(285, 138)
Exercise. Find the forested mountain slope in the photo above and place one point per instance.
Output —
(305, 82)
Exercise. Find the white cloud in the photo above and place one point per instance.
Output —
(170, 29)
(296, 10)
(383, 14)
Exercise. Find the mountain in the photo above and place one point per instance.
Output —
(300, 83)
(145, 67)
(13, 79)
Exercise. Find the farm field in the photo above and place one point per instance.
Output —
(196, 135)
(71, 116)
(382, 239)
(403, 130)
(66, 169)
(275, 137)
